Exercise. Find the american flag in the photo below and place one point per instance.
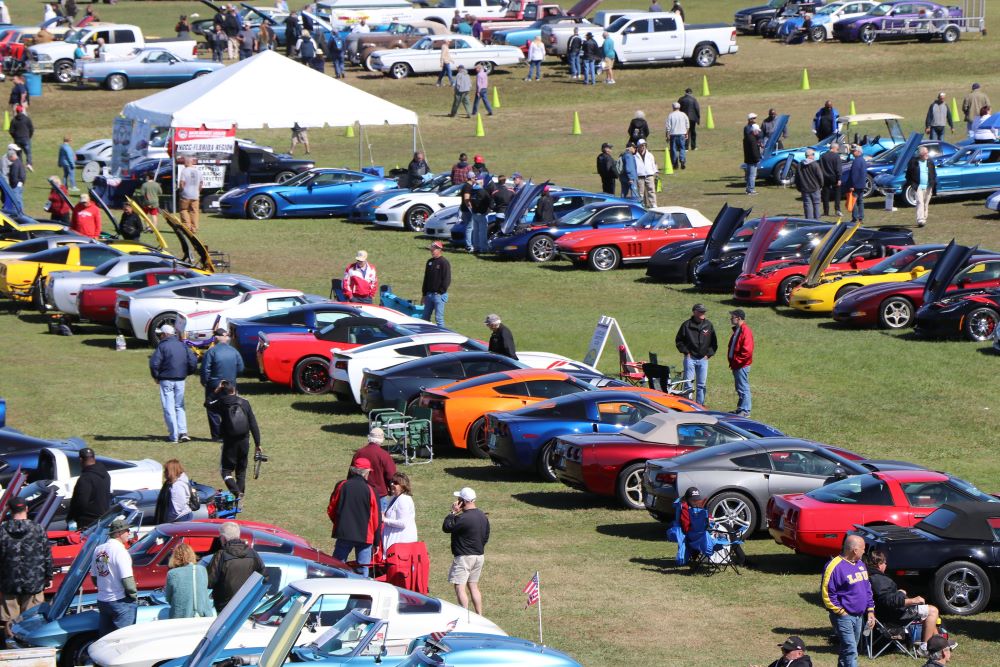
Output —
(532, 590)
(438, 636)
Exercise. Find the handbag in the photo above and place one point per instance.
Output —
(194, 502)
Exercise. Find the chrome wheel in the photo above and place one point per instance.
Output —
(542, 249)
(981, 324)
(962, 588)
(416, 218)
(786, 287)
(895, 313)
(629, 489)
(312, 376)
(117, 82)
(705, 56)
(283, 176)
(868, 34)
(604, 258)
(400, 71)
(734, 512)
(260, 207)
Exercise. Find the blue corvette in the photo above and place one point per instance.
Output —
(537, 242)
(975, 168)
(937, 150)
(312, 194)
(363, 209)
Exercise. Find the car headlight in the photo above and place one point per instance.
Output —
(42, 57)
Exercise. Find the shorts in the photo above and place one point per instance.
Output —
(151, 210)
(300, 137)
(609, 63)
(917, 612)
(465, 569)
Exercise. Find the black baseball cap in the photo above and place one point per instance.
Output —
(739, 312)
(699, 308)
(793, 643)
(940, 643)
(606, 145)
(17, 505)
(87, 453)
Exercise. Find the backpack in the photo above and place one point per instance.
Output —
(619, 166)
(194, 502)
(235, 420)
(308, 49)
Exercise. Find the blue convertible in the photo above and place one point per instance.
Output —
(975, 168)
(315, 193)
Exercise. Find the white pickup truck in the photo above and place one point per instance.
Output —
(120, 39)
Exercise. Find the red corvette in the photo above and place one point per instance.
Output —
(606, 249)
(96, 303)
(817, 522)
(611, 464)
(151, 552)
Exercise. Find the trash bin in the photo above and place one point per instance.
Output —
(34, 83)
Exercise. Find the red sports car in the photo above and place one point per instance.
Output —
(151, 552)
(606, 249)
(96, 303)
(817, 522)
(302, 360)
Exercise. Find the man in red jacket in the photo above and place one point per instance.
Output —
(360, 282)
(355, 514)
(86, 218)
(740, 358)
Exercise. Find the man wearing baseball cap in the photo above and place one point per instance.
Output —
(112, 572)
(382, 464)
(221, 363)
(697, 342)
(751, 152)
(25, 564)
(437, 280)
(356, 516)
(501, 339)
(606, 168)
(793, 654)
(92, 492)
(470, 531)
(360, 282)
(740, 357)
(170, 365)
(939, 650)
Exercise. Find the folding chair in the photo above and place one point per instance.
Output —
(711, 548)
(886, 636)
(676, 534)
(393, 422)
(630, 371)
(663, 378)
(419, 441)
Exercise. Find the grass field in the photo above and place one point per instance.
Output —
(610, 592)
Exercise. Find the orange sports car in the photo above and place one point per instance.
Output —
(458, 410)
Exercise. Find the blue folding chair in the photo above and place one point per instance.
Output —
(676, 534)
(712, 548)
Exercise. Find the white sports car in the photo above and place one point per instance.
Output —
(425, 56)
(198, 326)
(412, 209)
(327, 601)
(62, 287)
(62, 469)
(145, 310)
(439, 224)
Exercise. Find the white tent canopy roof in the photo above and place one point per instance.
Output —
(267, 90)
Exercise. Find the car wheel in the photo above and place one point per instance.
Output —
(817, 33)
(759, 26)
(950, 35)
(604, 258)
(692, 265)
(312, 376)
(786, 287)
(116, 82)
(980, 324)
(544, 467)
(961, 588)
(734, 511)
(541, 248)
(628, 488)
(846, 289)
(366, 61)
(910, 195)
(64, 71)
(75, 652)
(487, 66)
(868, 33)
(705, 55)
(399, 71)
(283, 176)
(895, 312)
(202, 73)
(416, 218)
(869, 186)
(156, 323)
(475, 442)
(260, 207)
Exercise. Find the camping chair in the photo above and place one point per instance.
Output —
(886, 636)
(393, 422)
(630, 371)
(676, 534)
(664, 379)
(712, 548)
(419, 441)
(407, 565)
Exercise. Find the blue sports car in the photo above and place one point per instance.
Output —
(937, 150)
(312, 194)
(973, 169)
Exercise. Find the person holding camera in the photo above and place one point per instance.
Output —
(237, 424)
(470, 531)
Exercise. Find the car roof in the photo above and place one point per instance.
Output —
(503, 376)
(968, 521)
(862, 117)
(904, 476)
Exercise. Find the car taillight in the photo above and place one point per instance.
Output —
(123, 304)
(666, 478)
(340, 365)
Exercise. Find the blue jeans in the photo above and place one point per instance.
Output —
(26, 149)
(18, 196)
(338, 64)
(937, 132)
(172, 400)
(362, 553)
(479, 241)
(466, 217)
(446, 71)
(678, 148)
(810, 205)
(481, 95)
(697, 370)
(742, 378)
(69, 177)
(245, 53)
(630, 189)
(434, 303)
(115, 615)
(859, 207)
(752, 177)
(588, 70)
(848, 630)
(574, 63)
(536, 67)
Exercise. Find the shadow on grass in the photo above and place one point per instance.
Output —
(812, 597)
(106, 343)
(260, 389)
(328, 408)
(485, 473)
(562, 500)
(561, 266)
(988, 351)
(32, 317)
(660, 565)
(358, 430)
(833, 325)
(787, 563)
(104, 437)
(972, 628)
(822, 637)
(647, 532)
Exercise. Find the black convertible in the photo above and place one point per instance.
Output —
(956, 550)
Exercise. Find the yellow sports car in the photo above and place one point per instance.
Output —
(12, 232)
(849, 258)
(19, 277)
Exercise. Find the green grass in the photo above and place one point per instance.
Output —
(610, 593)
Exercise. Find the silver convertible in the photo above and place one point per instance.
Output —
(155, 67)
(425, 56)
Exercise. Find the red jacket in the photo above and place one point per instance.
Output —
(57, 205)
(86, 220)
(359, 282)
(741, 347)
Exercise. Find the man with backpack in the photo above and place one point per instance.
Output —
(236, 424)
(231, 565)
(306, 48)
(221, 362)
(170, 365)
(335, 50)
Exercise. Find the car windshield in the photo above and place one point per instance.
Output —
(829, 9)
(857, 490)
(148, 548)
(621, 21)
(797, 241)
(343, 637)
(103, 269)
(976, 494)
(272, 611)
(424, 44)
(881, 10)
(577, 217)
(300, 179)
(893, 263)
(74, 36)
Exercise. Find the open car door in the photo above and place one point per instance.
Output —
(772, 140)
(228, 622)
(906, 154)
(954, 258)
(161, 244)
(728, 220)
(765, 234)
(827, 248)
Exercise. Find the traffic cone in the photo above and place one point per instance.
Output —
(479, 126)
(349, 132)
(576, 123)
(659, 183)
(709, 120)
(704, 86)
(954, 111)
(496, 98)
(853, 112)
(805, 79)
(668, 165)
(6, 121)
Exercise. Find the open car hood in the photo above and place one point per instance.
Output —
(229, 621)
(519, 205)
(823, 253)
(772, 140)
(161, 244)
(762, 238)
(254, 10)
(582, 8)
(953, 259)
(906, 154)
(13, 488)
(213, 6)
(727, 221)
(189, 241)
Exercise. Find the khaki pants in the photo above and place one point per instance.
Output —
(233, 47)
(647, 191)
(189, 212)
(12, 606)
(923, 204)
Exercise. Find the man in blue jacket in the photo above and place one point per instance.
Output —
(221, 362)
(629, 176)
(854, 183)
(170, 364)
(67, 160)
(825, 121)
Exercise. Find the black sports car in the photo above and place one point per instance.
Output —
(972, 314)
(720, 273)
(956, 550)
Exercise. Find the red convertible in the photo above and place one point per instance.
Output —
(96, 303)
(817, 522)
(606, 249)
(151, 552)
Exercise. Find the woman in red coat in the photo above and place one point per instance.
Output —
(59, 207)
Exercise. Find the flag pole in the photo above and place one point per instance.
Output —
(540, 639)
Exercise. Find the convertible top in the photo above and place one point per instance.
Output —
(964, 521)
(862, 117)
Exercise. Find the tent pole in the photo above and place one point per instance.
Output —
(361, 131)
(414, 138)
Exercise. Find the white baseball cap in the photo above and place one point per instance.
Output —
(466, 494)
(751, 115)
(167, 329)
